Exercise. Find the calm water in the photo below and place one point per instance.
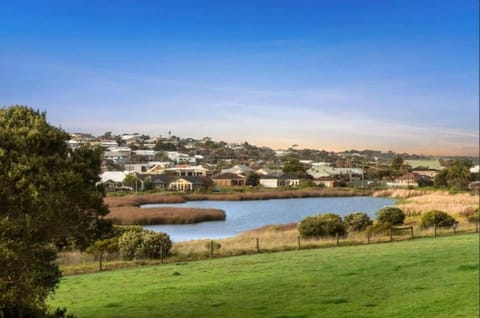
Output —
(247, 215)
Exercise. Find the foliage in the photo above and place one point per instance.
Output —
(357, 222)
(143, 244)
(293, 166)
(438, 218)
(456, 175)
(322, 225)
(397, 163)
(253, 179)
(390, 216)
(474, 217)
(48, 198)
(132, 181)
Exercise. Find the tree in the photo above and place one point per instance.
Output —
(397, 163)
(357, 221)
(456, 175)
(322, 225)
(48, 198)
(390, 216)
(293, 166)
(253, 179)
(437, 218)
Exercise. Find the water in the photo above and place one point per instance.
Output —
(246, 215)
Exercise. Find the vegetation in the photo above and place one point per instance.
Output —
(322, 225)
(390, 216)
(457, 175)
(48, 198)
(143, 245)
(164, 215)
(357, 222)
(437, 218)
(418, 278)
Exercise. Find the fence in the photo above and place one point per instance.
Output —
(75, 262)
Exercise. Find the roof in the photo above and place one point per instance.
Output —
(327, 178)
(192, 179)
(237, 169)
(227, 176)
(115, 176)
(290, 176)
(433, 164)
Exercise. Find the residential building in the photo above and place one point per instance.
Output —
(228, 179)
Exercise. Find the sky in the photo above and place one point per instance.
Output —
(334, 75)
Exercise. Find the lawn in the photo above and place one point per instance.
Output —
(430, 277)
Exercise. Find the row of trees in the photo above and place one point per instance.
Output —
(330, 224)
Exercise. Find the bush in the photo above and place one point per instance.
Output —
(357, 221)
(144, 244)
(322, 225)
(390, 216)
(474, 217)
(438, 218)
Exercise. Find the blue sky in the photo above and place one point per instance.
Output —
(334, 75)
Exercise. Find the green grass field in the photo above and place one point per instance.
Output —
(431, 277)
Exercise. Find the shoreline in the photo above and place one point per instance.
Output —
(126, 210)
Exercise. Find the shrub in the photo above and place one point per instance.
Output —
(474, 217)
(390, 216)
(438, 218)
(357, 221)
(322, 225)
(144, 244)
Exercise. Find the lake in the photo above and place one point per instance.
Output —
(247, 215)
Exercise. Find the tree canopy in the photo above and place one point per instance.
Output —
(48, 198)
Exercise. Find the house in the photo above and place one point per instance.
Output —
(318, 171)
(327, 182)
(147, 154)
(268, 172)
(116, 156)
(189, 183)
(180, 158)
(407, 180)
(113, 180)
(228, 179)
(427, 168)
(289, 180)
(269, 181)
(162, 181)
(187, 170)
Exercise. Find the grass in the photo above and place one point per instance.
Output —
(128, 215)
(431, 277)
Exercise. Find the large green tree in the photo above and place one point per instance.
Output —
(48, 198)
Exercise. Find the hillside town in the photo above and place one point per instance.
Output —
(137, 162)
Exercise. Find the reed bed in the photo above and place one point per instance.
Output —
(400, 193)
(454, 204)
(138, 200)
(131, 215)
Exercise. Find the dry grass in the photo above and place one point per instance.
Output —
(131, 215)
(137, 200)
(454, 204)
(399, 193)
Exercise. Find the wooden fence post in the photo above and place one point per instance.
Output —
(298, 239)
(435, 229)
(161, 254)
(211, 248)
(258, 245)
(368, 238)
(100, 263)
(391, 234)
(337, 237)
(411, 232)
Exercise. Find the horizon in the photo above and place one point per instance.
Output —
(400, 76)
